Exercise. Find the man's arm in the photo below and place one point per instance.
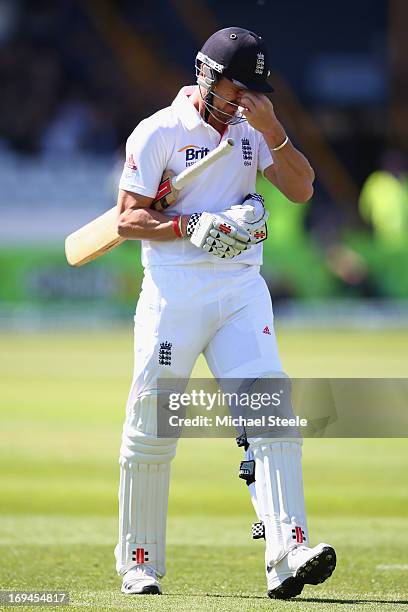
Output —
(136, 221)
(214, 233)
(291, 172)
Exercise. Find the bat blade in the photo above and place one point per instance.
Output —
(94, 239)
(100, 235)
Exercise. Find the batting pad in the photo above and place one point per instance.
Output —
(249, 456)
(144, 489)
(277, 495)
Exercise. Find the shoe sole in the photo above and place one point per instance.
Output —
(151, 590)
(320, 567)
(315, 571)
(147, 590)
(291, 587)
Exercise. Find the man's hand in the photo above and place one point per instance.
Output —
(229, 233)
(259, 111)
(290, 172)
(218, 234)
(252, 216)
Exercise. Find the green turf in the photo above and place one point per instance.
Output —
(62, 400)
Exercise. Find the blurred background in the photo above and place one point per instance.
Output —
(78, 75)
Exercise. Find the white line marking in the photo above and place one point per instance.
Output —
(396, 566)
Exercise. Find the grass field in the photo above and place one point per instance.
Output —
(62, 400)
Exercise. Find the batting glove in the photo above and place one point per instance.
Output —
(252, 216)
(217, 234)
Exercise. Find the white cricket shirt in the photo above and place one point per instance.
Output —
(174, 138)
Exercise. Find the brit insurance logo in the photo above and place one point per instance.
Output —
(193, 153)
(246, 152)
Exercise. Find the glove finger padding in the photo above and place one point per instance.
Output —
(213, 240)
(227, 239)
(225, 227)
(222, 250)
(220, 236)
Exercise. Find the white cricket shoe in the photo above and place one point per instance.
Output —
(141, 580)
(300, 566)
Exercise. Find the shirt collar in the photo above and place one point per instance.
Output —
(186, 111)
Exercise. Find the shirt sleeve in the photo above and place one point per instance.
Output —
(265, 158)
(146, 159)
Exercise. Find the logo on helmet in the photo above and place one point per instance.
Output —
(260, 63)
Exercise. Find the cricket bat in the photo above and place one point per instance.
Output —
(100, 235)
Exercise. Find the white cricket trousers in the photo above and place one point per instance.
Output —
(223, 311)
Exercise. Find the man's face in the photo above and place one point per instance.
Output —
(231, 93)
